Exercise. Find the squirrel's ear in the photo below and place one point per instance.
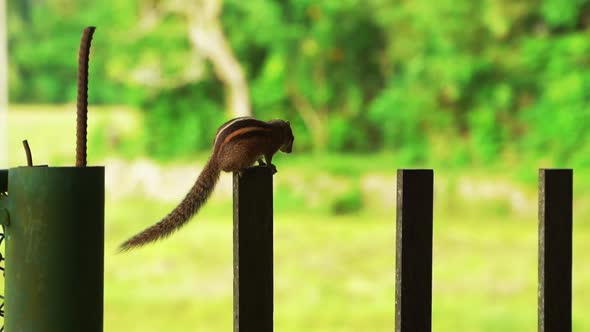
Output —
(289, 123)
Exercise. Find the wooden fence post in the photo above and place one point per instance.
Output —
(253, 250)
(555, 250)
(413, 275)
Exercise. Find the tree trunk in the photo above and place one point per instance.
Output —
(311, 117)
(207, 36)
(205, 33)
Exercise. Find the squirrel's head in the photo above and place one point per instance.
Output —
(287, 136)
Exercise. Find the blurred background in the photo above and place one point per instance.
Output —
(484, 92)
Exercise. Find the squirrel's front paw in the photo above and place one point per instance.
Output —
(273, 168)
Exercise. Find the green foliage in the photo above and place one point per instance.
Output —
(345, 134)
(487, 134)
(113, 132)
(348, 202)
(559, 118)
(181, 122)
(494, 78)
(401, 122)
(43, 45)
(561, 13)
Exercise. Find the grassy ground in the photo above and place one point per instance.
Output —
(332, 273)
(51, 132)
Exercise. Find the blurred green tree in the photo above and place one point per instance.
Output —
(493, 78)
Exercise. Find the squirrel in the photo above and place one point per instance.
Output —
(238, 144)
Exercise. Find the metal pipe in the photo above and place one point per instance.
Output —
(55, 249)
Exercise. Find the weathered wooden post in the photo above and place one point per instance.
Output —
(253, 250)
(555, 250)
(413, 269)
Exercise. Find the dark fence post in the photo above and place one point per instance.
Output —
(54, 249)
(555, 250)
(413, 273)
(3, 180)
(253, 251)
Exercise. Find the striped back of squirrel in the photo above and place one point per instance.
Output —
(238, 126)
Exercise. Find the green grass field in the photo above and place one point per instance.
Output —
(332, 273)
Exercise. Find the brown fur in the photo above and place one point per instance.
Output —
(236, 147)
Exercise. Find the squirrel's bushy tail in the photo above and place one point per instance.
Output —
(189, 206)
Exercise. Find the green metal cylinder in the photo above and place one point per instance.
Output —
(55, 249)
